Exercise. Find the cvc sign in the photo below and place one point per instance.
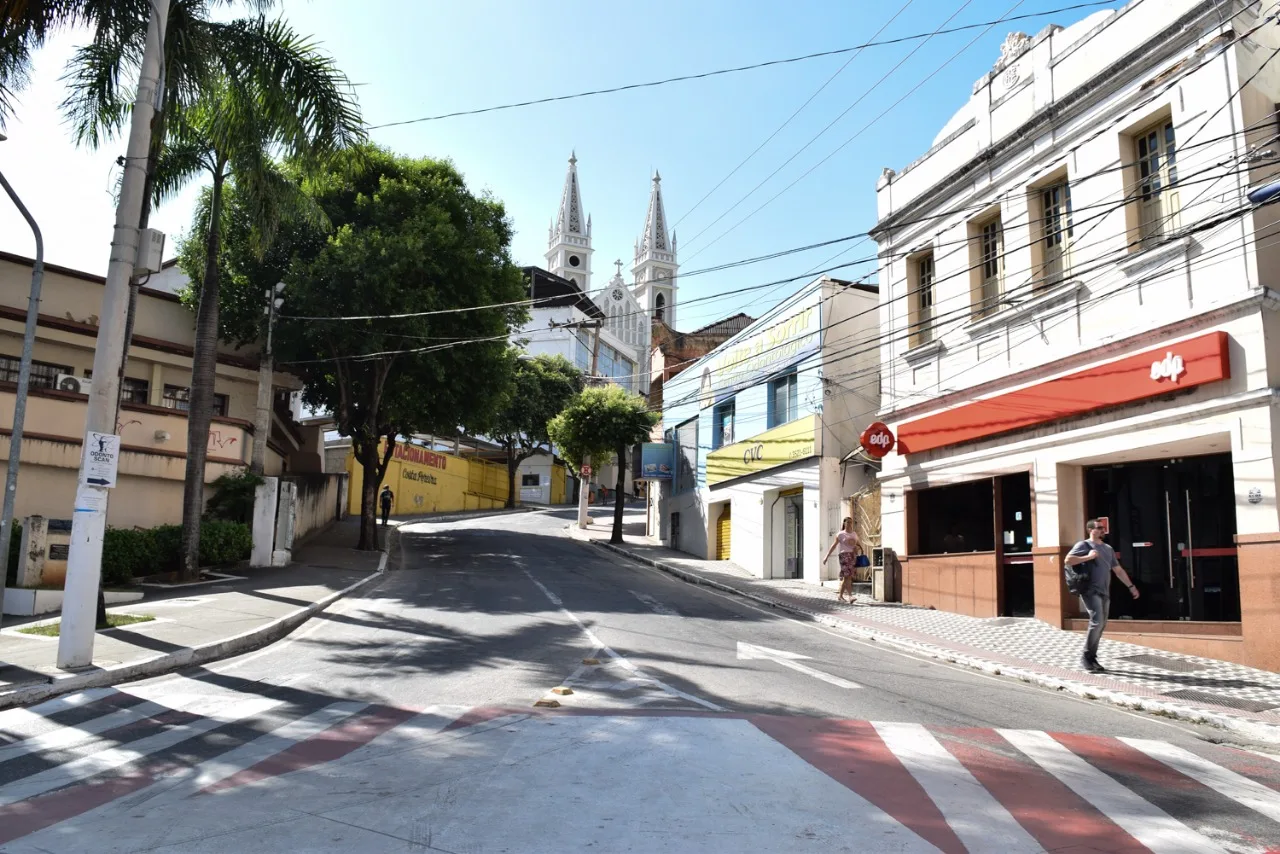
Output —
(878, 440)
(1169, 368)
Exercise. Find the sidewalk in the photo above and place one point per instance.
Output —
(1185, 687)
(193, 624)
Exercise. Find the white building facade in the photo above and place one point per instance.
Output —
(764, 432)
(1078, 312)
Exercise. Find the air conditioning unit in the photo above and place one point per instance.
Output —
(74, 384)
(877, 556)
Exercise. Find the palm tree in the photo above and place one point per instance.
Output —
(24, 26)
(238, 94)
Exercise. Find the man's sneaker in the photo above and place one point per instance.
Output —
(1092, 666)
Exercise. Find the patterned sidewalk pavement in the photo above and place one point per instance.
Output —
(1240, 698)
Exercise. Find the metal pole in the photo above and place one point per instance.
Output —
(262, 416)
(89, 519)
(20, 404)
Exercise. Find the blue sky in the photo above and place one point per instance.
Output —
(412, 58)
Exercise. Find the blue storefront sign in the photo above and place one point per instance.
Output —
(657, 460)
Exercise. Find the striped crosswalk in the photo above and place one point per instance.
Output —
(88, 760)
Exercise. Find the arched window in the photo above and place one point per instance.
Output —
(659, 306)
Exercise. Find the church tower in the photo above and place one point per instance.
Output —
(569, 240)
(655, 264)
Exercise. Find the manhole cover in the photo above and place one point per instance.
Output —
(1222, 700)
(1173, 664)
(1003, 621)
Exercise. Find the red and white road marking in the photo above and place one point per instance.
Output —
(923, 788)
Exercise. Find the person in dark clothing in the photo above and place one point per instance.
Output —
(1096, 598)
(385, 499)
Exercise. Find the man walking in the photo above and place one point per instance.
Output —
(386, 498)
(1100, 560)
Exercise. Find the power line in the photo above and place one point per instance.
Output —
(873, 87)
(790, 118)
(735, 69)
(1169, 84)
(858, 133)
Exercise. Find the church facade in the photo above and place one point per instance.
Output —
(630, 308)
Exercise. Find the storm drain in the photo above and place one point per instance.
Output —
(1222, 700)
(1172, 664)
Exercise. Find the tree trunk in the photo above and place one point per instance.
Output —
(512, 465)
(200, 409)
(367, 454)
(620, 497)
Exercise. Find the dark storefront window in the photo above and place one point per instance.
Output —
(1173, 524)
(955, 519)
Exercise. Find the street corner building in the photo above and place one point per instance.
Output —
(1079, 319)
(762, 435)
(154, 394)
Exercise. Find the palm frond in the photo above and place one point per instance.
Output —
(99, 99)
(300, 89)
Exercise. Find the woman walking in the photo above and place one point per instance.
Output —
(847, 541)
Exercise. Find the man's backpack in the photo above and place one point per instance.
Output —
(1077, 577)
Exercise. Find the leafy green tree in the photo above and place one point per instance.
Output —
(230, 131)
(541, 386)
(413, 252)
(599, 421)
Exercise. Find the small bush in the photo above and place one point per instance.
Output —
(128, 553)
(232, 498)
(168, 539)
(133, 553)
(224, 542)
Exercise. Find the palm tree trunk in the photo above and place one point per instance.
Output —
(203, 366)
(619, 496)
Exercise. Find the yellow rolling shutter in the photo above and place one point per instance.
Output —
(723, 530)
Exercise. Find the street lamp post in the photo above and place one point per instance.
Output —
(24, 381)
(262, 417)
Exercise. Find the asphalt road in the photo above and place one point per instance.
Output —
(404, 719)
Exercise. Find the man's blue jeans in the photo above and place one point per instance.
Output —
(1098, 607)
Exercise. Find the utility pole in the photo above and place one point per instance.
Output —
(585, 480)
(262, 416)
(24, 382)
(100, 450)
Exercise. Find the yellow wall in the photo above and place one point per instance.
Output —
(446, 484)
(559, 483)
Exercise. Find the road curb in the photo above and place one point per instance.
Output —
(187, 656)
(1249, 729)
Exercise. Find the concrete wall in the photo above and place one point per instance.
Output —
(317, 503)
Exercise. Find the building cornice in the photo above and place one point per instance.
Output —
(1173, 39)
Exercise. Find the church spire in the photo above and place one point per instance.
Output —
(655, 264)
(569, 240)
(570, 220)
(654, 238)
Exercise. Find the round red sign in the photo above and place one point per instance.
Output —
(878, 440)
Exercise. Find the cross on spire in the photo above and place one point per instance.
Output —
(618, 264)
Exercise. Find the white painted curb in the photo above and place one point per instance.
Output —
(188, 656)
(1250, 729)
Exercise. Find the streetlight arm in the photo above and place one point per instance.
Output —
(24, 381)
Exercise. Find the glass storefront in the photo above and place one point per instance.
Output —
(1173, 523)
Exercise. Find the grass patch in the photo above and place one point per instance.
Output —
(114, 621)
